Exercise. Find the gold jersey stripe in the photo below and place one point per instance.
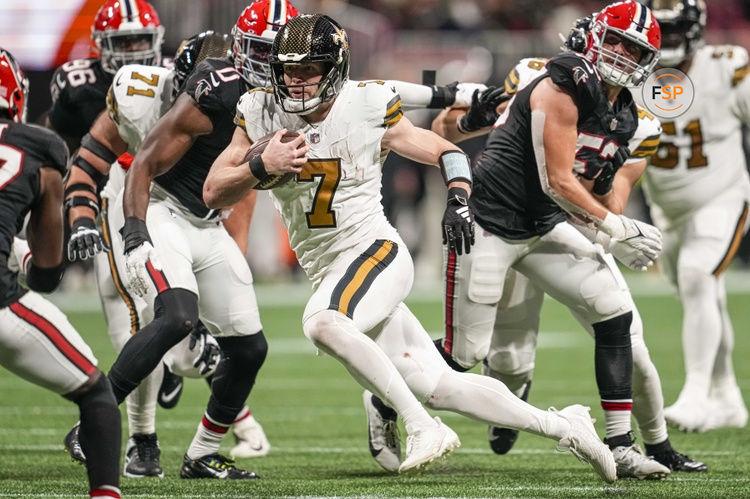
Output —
(361, 275)
(239, 120)
(734, 244)
(739, 75)
(644, 153)
(511, 82)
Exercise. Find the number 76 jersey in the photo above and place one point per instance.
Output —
(700, 155)
(335, 202)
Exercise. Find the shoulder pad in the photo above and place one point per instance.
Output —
(54, 151)
(576, 76)
(524, 72)
(215, 86)
(381, 102)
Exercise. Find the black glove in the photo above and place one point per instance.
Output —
(85, 241)
(206, 348)
(134, 233)
(603, 181)
(458, 224)
(482, 112)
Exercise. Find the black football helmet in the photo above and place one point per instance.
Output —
(196, 48)
(682, 23)
(305, 39)
(576, 39)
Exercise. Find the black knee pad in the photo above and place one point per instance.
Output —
(242, 357)
(98, 393)
(177, 312)
(613, 357)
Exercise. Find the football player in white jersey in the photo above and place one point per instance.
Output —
(139, 96)
(508, 347)
(359, 267)
(698, 189)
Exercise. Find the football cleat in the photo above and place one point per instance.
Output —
(73, 445)
(142, 456)
(502, 439)
(382, 433)
(583, 442)
(688, 414)
(632, 462)
(170, 389)
(214, 466)
(679, 462)
(428, 444)
(251, 439)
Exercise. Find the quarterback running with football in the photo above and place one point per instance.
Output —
(359, 267)
(698, 189)
(36, 340)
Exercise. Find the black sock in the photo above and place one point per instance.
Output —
(660, 448)
(100, 434)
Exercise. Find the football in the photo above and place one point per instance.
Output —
(258, 147)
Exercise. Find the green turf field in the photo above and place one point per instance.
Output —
(312, 413)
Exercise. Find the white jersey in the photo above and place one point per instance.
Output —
(646, 137)
(701, 154)
(138, 97)
(335, 203)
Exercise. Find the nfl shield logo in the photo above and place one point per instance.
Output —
(314, 137)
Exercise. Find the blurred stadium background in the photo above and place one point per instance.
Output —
(468, 40)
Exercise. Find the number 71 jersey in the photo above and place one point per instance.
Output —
(335, 203)
(700, 155)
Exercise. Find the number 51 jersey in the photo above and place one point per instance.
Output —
(700, 155)
(335, 202)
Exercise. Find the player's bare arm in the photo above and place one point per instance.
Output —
(427, 147)
(164, 145)
(231, 177)
(554, 118)
(617, 199)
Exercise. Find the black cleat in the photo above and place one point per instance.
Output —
(213, 466)
(679, 462)
(73, 445)
(142, 457)
(502, 439)
(170, 389)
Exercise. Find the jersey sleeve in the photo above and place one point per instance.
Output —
(382, 104)
(60, 114)
(215, 90)
(645, 140)
(577, 77)
(250, 113)
(52, 149)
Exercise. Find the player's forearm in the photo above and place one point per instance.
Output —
(572, 197)
(227, 183)
(136, 195)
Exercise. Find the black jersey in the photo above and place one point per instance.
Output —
(507, 197)
(24, 149)
(216, 87)
(79, 91)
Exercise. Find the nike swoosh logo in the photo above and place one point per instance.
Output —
(214, 81)
(118, 82)
(168, 397)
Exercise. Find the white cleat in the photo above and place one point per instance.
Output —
(632, 463)
(584, 443)
(728, 410)
(383, 436)
(251, 439)
(688, 414)
(428, 444)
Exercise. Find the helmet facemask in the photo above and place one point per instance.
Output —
(615, 68)
(251, 53)
(123, 46)
(329, 85)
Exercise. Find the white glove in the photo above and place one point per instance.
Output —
(206, 349)
(136, 272)
(643, 240)
(629, 256)
(465, 91)
(19, 256)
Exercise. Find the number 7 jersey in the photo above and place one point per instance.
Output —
(700, 155)
(335, 203)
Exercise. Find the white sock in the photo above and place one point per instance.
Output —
(141, 403)
(618, 422)
(489, 400)
(244, 413)
(336, 334)
(207, 438)
(648, 401)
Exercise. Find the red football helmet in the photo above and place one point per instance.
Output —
(253, 37)
(14, 87)
(127, 32)
(634, 25)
